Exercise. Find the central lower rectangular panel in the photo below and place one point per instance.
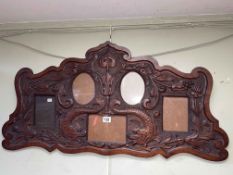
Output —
(109, 129)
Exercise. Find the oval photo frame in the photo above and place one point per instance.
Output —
(132, 88)
(83, 88)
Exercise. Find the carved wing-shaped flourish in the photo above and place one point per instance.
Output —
(107, 64)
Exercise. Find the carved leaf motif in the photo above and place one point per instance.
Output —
(63, 98)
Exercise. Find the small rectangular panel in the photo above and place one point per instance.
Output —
(44, 112)
(175, 114)
(110, 129)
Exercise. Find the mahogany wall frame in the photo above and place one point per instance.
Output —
(63, 123)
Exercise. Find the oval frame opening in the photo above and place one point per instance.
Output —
(83, 88)
(132, 88)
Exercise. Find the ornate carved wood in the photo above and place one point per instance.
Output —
(66, 125)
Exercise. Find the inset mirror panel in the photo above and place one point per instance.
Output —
(110, 129)
(44, 112)
(175, 114)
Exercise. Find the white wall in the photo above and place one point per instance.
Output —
(217, 58)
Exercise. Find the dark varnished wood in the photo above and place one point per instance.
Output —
(107, 64)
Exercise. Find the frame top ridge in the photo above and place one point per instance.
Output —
(109, 45)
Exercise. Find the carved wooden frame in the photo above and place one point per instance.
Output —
(107, 64)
